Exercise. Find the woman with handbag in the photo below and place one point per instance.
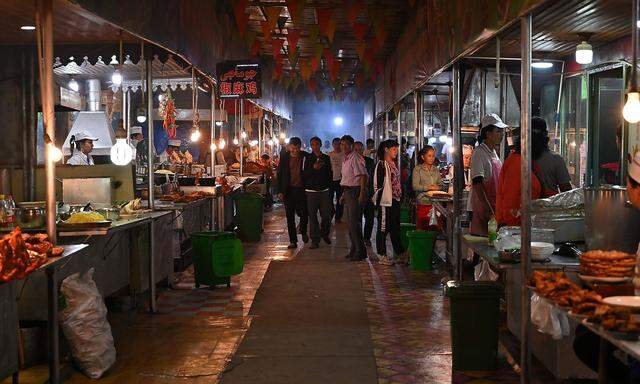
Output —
(387, 194)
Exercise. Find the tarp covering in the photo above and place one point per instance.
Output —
(203, 32)
(440, 31)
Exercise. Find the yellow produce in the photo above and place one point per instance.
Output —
(85, 217)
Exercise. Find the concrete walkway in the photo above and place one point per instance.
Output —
(309, 324)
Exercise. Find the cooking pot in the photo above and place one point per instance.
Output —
(31, 217)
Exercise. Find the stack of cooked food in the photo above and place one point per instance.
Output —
(132, 207)
(85, 217)
(557, 287)
(180, 197)
(21, 254)
(607, 264)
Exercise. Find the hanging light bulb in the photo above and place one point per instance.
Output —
(116, 77)
(286, 141)
(141, 115)
(213, 147)
(121, 152)
(253, 143)
(442, 138)
(631, 110)
(282, 135)
(73, 85)
(449, 140)
(270, 143)
(222, 143)
(236, 141)
(195, 135)
(160, 97)
(584, 53)
(55, 154)
(218, 123)
(243, 135)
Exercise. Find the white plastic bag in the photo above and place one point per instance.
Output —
(433, 218)
(548, 318)
(483, 272)
(84, 324)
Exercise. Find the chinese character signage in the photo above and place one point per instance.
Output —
(239, 79)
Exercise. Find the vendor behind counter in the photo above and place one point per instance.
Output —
(81, 155)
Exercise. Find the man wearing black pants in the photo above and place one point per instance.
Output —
(317, 182)
(291, 189)
(337, 157)
(369, 209)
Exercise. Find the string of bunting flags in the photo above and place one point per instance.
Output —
(366, 23)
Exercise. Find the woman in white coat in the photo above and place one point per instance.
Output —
(387, 192)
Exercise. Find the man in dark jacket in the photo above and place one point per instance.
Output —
(369, 209)
(291, 190)
(317, 183)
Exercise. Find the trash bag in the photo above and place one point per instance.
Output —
(84, 324)
(483, 272)
(548, 319)
(433, 218)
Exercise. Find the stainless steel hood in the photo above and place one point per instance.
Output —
(93, 121)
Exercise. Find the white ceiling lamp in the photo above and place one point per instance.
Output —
(141, 115)
(27, 27)
(73, 85)
(631, 110)
(584, 53)
(121, 152)
(542, 64)
(116, 77)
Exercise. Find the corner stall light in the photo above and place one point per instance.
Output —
(141, 115)
(121, 152)
(73, 85)
(584, 53)
(542, 64)
(116, 77)
(631, 110)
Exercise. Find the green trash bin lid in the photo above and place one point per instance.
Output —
(248, 196)
(421, 234)
(471, 289)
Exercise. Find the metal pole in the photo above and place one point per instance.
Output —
(128, 120)
(525, 169)
(213, 153)
(458, 171)
(241, 138)
(559, 148)
(150, 154)
(399, 139)
(44, 23)
(418, 122)
(386, 125)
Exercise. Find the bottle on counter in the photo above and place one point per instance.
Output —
(492, 230)
(10, 210)
(3, 212)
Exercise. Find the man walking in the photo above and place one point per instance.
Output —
(354, 196)
(368, 210)
(291, 188)
(317, 182)
(337, 158)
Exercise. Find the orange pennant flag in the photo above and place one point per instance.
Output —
(293, 35)
(331, 30)
(272, 15)
(266, 30)
(324, 16)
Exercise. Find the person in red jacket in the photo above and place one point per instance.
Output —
(508, 197)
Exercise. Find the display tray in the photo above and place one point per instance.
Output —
(623, 301)
(603, 279)
(81, 226)
(135, 214)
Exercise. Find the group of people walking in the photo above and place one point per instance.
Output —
(308, 182)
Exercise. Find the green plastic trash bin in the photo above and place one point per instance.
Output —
(475, 320)
(404, 229)
(249, 209)
(216, 257)
(421, 249)
(405, 215)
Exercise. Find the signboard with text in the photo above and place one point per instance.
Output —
(239, 79)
